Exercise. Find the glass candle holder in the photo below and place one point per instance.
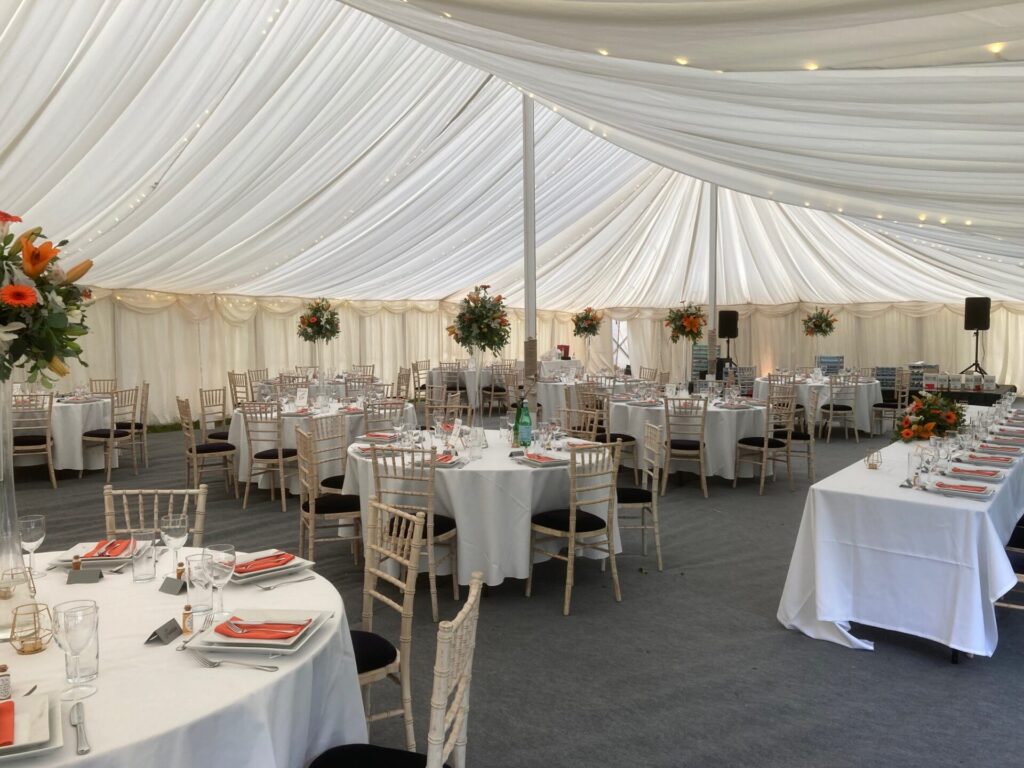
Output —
(31, 628)
(873, 460)
(17, 584)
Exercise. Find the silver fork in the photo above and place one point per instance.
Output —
(206, 625)
(209, 663)
(269, 587)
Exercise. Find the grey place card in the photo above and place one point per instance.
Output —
(172, 586)
(165, 633)
(85, 576)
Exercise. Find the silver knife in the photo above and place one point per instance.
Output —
(78, 720)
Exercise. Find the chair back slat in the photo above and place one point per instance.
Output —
(394, 535)
(685, 417)
(102, 386)
(213, 410)
(238, 385)
(143, 508)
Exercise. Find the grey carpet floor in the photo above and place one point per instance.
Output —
(690, 669)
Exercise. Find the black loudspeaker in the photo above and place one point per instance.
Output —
(729, 323)
(976, 313)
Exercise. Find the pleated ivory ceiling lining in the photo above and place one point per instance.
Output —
(304, 148)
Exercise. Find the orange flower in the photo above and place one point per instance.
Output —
(950, 417)
(692, 323)
(7, 218)
(35, 258)
(78, 271)
(906, 421)
(18, 296)
(907, 434)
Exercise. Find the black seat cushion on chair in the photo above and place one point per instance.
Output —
(1016, 560)
(758, 442)
(633, 495)
(218, 435)
(442, 525)
(105, 433)
(495, 388)
(684, 444)
(1016, 538)
(836, 407)
(202, 448)
(558, 519)
(602, 437)
(24, 441)
(372, 651)
(369, 756)
(271, 453)
(128, 425)
(334, 503)
(334, 481)
(800, 437)
(892, 406)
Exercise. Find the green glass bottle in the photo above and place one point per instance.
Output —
(515, 425)
(525, 429)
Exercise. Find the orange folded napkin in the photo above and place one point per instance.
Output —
(976, 472)
(117, 548)
(962, 488)
(261, 630)
(263, 563)
(381, 435)
(446, 458)
(984, 457)
(6, 723)
(539, 457)
(353, 409)
(1000, 448)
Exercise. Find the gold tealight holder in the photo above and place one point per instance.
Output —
(31, 629)
(873, 460)
(17, 583)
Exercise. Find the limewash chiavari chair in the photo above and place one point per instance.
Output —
(774, 446)
(330, 443)
(802, 442)
(213, 409)
(593, 471)
(893, 411)
(358, 385)
(256, 377)
(644, 499)
(684, 436)
(449, 702)
(364, 369)
(141, 424)
(221, 452)
(627, 442)
(322, 512)
(238, 386)
(579, 423)
(648, 374)
(404, 478)
(308, 372)
(403, 384)
(267, 454)
(434, 404)
(102, 386)
(420, 380)
(384, 415)
(841, 407)
(32, 424)
(143, 508)
(455, 409)
(500, 387)
(452, 375)
(123, 404)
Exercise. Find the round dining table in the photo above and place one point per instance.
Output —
(155, 705)
(868, 392)
(69, 419)
(492, 500)
(355, 425)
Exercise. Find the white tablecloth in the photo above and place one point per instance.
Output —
(156, 706)
(69, 421)
(551, 395)
(355, 425)
(492, 500)
(868, 393)
(901, 559)
(722, 428)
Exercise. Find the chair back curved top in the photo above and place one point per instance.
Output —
(102, 386)
(32, 415)
(238, 385)
(143, 508)
(213, 411)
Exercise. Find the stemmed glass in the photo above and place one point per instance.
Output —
(174, 532)
(33, 531)
(74, 627)
(221, 565)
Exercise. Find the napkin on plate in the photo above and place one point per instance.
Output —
(961, 487)
(446, 458)
(117, 548)
(999, 448)
(6, 723)
(263, 563)
(380, 435)
(261, 630)
(989, 458)
(539, 457)
(975, 472)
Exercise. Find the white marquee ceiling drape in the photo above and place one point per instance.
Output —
(310, 149)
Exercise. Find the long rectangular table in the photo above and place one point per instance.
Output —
(902, 559)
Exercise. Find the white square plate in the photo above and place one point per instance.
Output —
(209, 640)
(983, 495)
(65, 558)
(49, 707)
(295, 564)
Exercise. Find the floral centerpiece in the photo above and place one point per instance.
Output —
(482, 322)
(586, 323)
(820, 322)
(687, 322)
(929, 414)
(42, 318)
(318, 325)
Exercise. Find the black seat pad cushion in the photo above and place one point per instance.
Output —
(369, 756)
(836, 407)
(558, 519)
(886, 405)
(105, 433)
(334, 481)
(214, 447)
(633, 495)
(602, 437)
(684, 444)
(1017, 538)
(1016, 560)
(495, 388)
(442, 525)
(804, 437)
(25, 440)
(219, 435)
(758, 442)
(372, 651)
(334, 503)
(271, 453)
(128, 425)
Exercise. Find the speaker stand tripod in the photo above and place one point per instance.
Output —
(975, 366)
(725, 362)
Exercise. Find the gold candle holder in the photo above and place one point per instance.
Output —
(31, 629)
(17, 582)
(873, 460)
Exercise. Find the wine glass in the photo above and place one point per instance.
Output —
(220, 567)
(33, 531)
(74, 627)
(174, 532)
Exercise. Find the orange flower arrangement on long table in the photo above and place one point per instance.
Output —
(929, 414)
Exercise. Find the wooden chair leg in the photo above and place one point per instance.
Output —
(410, 735)
(657, 533)
(703, 477)
(569, 576)
(432, 578)
(284, 490)
(49, 465)
(529, 576)
(616, 590)
(453, 544)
